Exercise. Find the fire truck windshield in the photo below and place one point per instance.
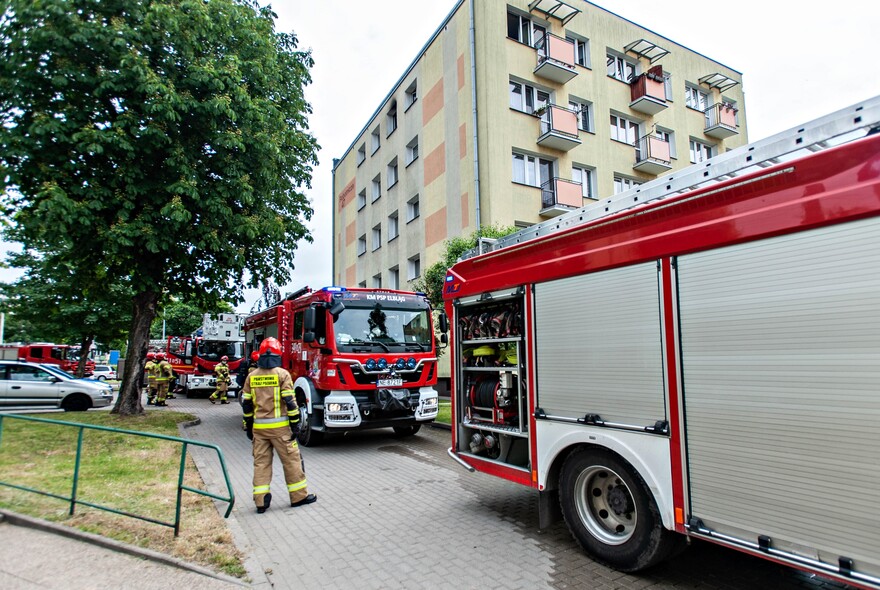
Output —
(213, 350)
(358, 327)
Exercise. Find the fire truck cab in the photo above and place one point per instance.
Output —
(359, 358)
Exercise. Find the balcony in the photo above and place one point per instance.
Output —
(560, 196)
(559, 127)
(647, 94)
(721, 121)
(555, 59)
(652, 155)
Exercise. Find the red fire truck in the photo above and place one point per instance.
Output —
(193, 358)
(53, 354)
(696, 357)
(359, 358)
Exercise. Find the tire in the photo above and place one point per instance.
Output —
(611, 513)
(404, 431)
(101, 378)
(307, 436)
(76, 402)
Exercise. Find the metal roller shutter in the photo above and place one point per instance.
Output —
(780, 348)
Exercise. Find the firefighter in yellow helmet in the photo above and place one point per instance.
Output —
(164, 374)
(150, 369)
(270, 417)
(223, 381)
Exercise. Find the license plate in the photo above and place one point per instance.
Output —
(389, 382)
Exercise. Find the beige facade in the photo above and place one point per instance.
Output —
(570, 104)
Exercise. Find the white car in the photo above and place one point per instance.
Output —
(30, 386)
(103, 373)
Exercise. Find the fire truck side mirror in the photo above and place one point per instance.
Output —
(309, 324)
(444, 323)
(336, 309)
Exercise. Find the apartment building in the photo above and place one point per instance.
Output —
(515, 112)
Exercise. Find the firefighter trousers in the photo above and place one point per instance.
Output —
(222, 388)
(161, 390)
(266, 443)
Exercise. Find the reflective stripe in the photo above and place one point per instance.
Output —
(251, 415)
(269, 426)
(261, 490)
(271, 420)
(247, 396)
(295, 487)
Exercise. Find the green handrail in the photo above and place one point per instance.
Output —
(230, 499)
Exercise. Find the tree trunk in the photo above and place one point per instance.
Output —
(129, 401)
(84, 348)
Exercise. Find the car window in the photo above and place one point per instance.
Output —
(25, 373)
(102, 368)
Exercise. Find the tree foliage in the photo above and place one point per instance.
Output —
(432, 279)
(165, 141)
(181, 319)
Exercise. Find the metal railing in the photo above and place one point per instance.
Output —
(230, 498)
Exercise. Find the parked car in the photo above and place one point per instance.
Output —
(28, 386)
(103, 373)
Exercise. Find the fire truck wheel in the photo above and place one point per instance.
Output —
(306, 436)
(611, 513)
(410, 430)
(78, 402)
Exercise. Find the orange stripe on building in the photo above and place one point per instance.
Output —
(462, 141)
(435, 163)
(435, 227)
(347, 195)
(350, 230)
(433, 102)
(461, 71)
(351, 275)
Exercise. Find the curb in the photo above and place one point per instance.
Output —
(22, 520)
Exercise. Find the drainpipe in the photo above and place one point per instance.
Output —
(477, 219)
(333, 222)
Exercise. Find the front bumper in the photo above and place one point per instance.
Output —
(343, 411)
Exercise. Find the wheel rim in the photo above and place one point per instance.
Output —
(605, 505)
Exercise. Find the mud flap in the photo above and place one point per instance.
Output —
(548, 508)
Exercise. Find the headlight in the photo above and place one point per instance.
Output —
(338, 407)
(431, 402)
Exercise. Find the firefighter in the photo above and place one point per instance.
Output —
(150, 369)
(270, 418)
(164, 374)
(223, 381)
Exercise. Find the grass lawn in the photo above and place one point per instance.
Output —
(444, 413)
(124, 472)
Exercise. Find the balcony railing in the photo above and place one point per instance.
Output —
(559, 196)
(559, 127)
(648, 94)
(555, 59)
(721, 120)
(652, 155)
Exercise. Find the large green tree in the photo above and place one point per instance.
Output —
(163, 140)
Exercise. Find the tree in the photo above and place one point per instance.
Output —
(165, 141)
(64, 304)
(432, 280)
(182, 319)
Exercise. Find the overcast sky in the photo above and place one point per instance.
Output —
(798, 63)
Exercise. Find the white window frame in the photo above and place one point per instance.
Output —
(581, 50)
(412, 150)
(377, 281)
(362, 154)
(362, 199)
(410, 95)
(376, 188)
(584, 112)
(528, 31)
(696, 99)
(394, 277)
(375, 140)
(412, 209)
(377, 237)
(530, 97)
(578, 174)
(414, 268)
(620, 68)
(393, 226)
(623, 129)
(362, 284)
(362, 245)
(392, 173)
(623, 184)
(391, 119)
(527, 169)
(700, 151)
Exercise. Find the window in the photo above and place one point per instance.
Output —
(531, 170)
(521, 28)
(362, 245)
(620, 69)
(412, 209)
(391, 118)
(584, 111)
(667, 85)
(414, 268)
(585, 177)
(581, 50)
(375, 142)
(700, 152)
(624, 130)
(696, 99)
(411, 95)
(622, 184)
(377, 237)
(362, 154)
(668, 137)
(362, 284)
(392, 226)
(377, 281)
(394, 278)
(526, 98)
(392, 173)
(412, 150)
(377, 187)
(362, 199)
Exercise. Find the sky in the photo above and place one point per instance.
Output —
(798, 63)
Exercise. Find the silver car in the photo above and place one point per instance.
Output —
(30, 386)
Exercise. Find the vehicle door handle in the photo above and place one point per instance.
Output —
(16, 387)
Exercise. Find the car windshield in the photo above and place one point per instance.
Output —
(378, 327)
(58, 371)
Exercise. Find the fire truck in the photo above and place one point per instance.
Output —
(194, 357)
(359, 358)
(53, 354)
(696, 358)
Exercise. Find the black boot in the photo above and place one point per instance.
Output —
(266, 501)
